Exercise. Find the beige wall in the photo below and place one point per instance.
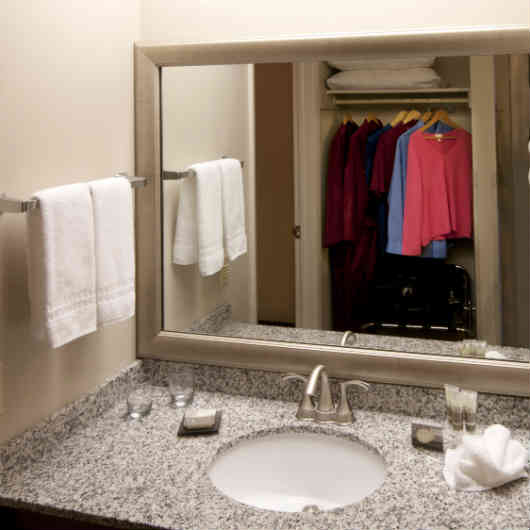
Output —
(66, 93)
(189, 20)
(205, 115)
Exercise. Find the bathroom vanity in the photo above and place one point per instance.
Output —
(91, 464)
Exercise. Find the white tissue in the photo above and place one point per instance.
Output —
(494, 354)
(485, 461)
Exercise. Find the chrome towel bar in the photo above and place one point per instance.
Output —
(10, 205)
(177, 175)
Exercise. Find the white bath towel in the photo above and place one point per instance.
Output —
(185, 243)
(114, 248)
(199, 228)
(61, 264)
(234, 231)
(485, 461)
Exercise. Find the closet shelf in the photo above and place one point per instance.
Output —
(426, 96)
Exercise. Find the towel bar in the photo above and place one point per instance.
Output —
(177, 175)
(10, 205)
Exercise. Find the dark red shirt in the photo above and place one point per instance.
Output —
(338, 152)
(384, 158)
(355, 199)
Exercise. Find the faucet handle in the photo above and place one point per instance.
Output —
(306, 410)
(344, 412)
(294, 377)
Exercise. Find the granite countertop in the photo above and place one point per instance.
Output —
(109, 469)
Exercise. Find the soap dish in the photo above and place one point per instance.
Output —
(211, 429)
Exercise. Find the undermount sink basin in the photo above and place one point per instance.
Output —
(295, 472)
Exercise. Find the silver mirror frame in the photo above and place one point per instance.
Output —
(493, 376)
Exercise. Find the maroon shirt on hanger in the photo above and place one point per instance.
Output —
(352, 261)
(355, 200)
(337, 156)
(384, 158)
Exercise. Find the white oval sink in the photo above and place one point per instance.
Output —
(294, 472)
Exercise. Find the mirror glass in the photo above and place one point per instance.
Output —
(396, 254)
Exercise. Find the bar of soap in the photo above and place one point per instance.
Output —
(427, 436)
(199, 419)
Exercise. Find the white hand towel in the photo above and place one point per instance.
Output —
(185, 243)
(61, 264)
(114, 248)
(234, 231)
(486, 461)
(199, 228)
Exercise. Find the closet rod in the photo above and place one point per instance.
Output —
(177, 175)
(10, 205)
(399, 101)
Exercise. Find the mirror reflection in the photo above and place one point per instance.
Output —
(385, 238)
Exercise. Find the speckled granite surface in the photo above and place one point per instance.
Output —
(128, 473)
(219, 323)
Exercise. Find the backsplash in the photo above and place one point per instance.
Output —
(397, 399)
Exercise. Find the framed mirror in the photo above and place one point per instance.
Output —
(284, 302)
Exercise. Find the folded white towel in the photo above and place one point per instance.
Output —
(185, 243)
(486, 461)
(114, 248)
(400, 63)
(233, 196)
(61, 264)
(384, 79)
(199, 229)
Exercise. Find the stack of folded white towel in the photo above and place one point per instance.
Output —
(403, 73)
(81, 259)
(211, 216)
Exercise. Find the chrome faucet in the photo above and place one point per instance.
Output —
(324, 411)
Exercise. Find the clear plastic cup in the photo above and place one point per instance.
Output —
(139, 403)
(181, 385)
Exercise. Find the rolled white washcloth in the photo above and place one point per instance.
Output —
(486, 461)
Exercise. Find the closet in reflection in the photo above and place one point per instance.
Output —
(399, 201)
(384, 198)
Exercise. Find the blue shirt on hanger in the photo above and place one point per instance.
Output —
(396, 196)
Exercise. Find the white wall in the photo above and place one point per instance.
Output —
(66, 92)
(211, 20)
(205, 115)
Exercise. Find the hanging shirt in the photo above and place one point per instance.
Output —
(355, 202)
(371, 148)
(382, 176)
(439, 196)
(396, 196)
(338, 151)
(384, 158)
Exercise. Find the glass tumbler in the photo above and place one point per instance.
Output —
(180, 383)
(139, 403)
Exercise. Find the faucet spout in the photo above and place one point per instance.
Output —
(325, 409)
(311, 387)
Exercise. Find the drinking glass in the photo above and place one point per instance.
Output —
(180, 382)
(139, 403)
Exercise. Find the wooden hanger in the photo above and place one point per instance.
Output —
(412, 115)
(426, 116)
(440, 115)
(371, 117)
(400, 116)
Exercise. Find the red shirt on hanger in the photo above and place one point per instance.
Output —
(439, 194)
